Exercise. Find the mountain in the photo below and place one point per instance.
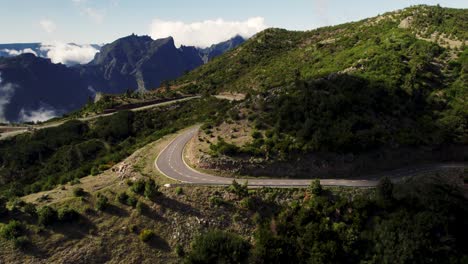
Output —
(219, 49)
(133, 62)
(139, 62)
(33, 87)
(143, 63)
(327, 100)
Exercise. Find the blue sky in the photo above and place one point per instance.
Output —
(102, 21)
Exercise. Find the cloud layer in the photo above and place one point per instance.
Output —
(69, 54)
(13, 52)
(6, 92)
(205, 33)
(40, 115)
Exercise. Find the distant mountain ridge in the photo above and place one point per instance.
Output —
(133, 62)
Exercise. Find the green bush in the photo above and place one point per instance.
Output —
(146, 235)
(179, 250)
(151, 189)
(78, 192)
(102, 202)
(21, 242)
(216, 201)
(11, 230)
(30, 209)
(179, 190)
(315, 188)
(122, 198)
(68, 215)
(218, 247)
(240, 190)
(247, 203)
(47, 216)
(138, 187)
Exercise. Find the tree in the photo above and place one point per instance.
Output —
(47, 215)
(385, 190)
(315, 187)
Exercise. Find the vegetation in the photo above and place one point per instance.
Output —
(218, 247)
(146, 235)
(39, 161)
(102, 202)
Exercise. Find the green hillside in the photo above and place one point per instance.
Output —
(392, 81)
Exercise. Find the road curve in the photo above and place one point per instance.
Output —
(170, 162)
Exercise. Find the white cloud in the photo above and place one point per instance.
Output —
(6, 92)
(48, 25)
(69, 54)
(13, 52)
(40, 115)
(205, 33)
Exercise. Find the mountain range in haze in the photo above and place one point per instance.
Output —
(33, 87)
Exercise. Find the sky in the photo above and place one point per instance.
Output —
(198, 23)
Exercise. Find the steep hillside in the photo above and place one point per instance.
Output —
(38, 88)
(371, 88)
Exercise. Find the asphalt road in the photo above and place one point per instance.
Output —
(58, 123)
(171, 163)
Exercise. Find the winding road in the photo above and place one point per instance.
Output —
(20, 130)
(170, 162)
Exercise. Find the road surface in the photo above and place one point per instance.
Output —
(58, 123)
(170, 162)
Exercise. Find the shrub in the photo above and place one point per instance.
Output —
(385, 190)
(132, 201)
(315, 187)
(218, 247)
(140, 207)
(11, 230)
(47, 216)
(138, 187)
(224, 148)
(102, 202)
(30, 209)
(78, 192)
(21, 242)
(179, 250)
(238, 189)
(216, 201)
(179, 190)
(247, 203)
(122, 197)
(67, 215)
(151, 189)
(146, 235)
(2, 206)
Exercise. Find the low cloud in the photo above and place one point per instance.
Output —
(69, 54)
(205, 33)
(40, 115)
(6, 92)
(48, 25)
(12, 52)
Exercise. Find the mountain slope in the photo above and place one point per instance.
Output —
(39, 89)
(363, 89)
(128, 63)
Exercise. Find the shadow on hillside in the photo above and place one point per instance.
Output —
(75, 230)
(175, 205)
(115, 210)
(159, 243)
